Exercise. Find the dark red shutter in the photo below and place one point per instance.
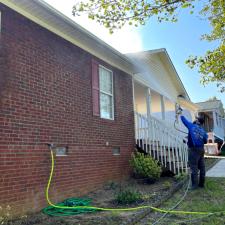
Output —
(95, 88)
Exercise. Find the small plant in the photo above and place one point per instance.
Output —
(180, 176)
(111, 185)
(145, 166)
(128, 196)
(167, 184)
(146, 197)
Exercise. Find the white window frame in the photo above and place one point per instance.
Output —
(106, 93)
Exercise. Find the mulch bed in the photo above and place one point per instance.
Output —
(153, 194)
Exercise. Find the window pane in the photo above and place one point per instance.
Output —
(105, 80)
(106, 106)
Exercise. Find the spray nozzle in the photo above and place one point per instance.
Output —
(179, 110)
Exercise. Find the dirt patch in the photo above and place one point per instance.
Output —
(152, 194)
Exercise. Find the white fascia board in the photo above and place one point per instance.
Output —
(46, 16)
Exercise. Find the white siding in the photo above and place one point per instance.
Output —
(158, 78)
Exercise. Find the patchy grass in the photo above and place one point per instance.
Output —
(209, 199)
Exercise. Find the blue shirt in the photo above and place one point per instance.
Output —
(197, 136)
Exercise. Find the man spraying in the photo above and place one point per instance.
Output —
(197, 137)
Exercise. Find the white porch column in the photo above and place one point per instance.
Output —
(214, 120)
(163, 107)
(148, 101)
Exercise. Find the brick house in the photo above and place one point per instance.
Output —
(60, 84)
(46, 97)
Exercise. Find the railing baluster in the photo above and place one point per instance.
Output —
(161, 145)
(164, 147)
(180, 156)
(150, 133)
(177, 155)
(157, 141)
(169, 156)
(173, 155)
(146, 134)
(153, 138)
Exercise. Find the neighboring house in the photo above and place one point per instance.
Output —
(60, 84)
(213, 112)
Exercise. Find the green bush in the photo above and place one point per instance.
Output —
(128, 196)
(180, 177)
(145, 166)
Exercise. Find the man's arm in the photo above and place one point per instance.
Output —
(186, 122)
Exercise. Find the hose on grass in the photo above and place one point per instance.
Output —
(178, 203)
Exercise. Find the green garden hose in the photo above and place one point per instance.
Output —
(81, 206)
(72, 202)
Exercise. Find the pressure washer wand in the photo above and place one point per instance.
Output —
(178, 111)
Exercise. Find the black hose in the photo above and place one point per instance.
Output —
(178, 129)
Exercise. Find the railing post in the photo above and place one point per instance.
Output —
(161, 144)
(169, 156)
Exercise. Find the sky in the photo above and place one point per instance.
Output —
(181, 39)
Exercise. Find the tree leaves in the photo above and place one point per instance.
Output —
(212, 64)
(121, 12)
(114, 14)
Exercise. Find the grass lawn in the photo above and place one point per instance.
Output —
(209, 199)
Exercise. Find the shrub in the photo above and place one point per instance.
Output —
(111, 185)
(145, 166)
(180, 177)
(128, 196)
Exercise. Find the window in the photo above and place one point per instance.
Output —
(102, 91)
(116, 151)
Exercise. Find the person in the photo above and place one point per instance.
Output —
(197, 137)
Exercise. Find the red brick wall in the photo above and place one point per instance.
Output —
(46, 98)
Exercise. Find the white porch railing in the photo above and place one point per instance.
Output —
(162, 142)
